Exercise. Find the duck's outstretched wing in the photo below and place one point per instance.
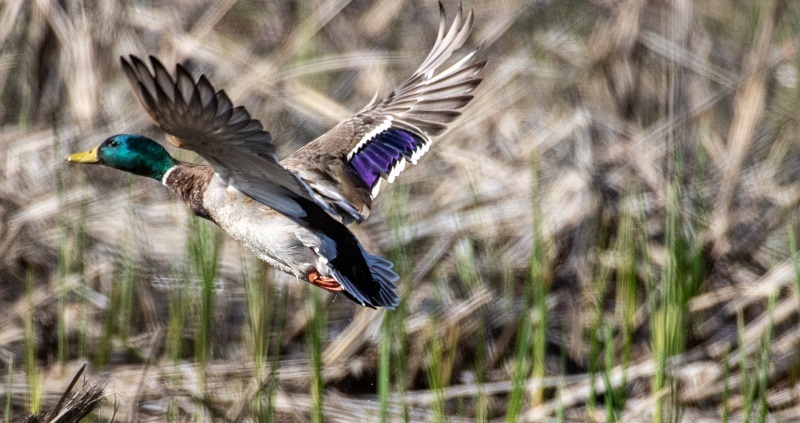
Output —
(345, 166)
(201, 119)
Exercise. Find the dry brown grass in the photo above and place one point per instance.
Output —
(589, 112)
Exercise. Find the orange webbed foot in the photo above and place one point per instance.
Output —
(324, 282)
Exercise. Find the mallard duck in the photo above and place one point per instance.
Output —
(292, 213)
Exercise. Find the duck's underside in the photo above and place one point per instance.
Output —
(274, 238)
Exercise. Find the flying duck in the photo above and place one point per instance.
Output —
(292, 213)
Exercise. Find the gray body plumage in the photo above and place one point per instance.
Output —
(271, 236)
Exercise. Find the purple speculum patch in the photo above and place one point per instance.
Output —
(381, 153)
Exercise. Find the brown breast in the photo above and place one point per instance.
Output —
(189, 181)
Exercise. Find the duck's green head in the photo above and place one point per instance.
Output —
(129, 152)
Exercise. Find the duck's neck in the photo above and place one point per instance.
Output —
(189, 182)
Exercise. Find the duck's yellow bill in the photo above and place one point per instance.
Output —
(84, 157)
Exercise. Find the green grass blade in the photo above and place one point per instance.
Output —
(315, 333)
(435, 368)
(384, 370)
(521, 367)
(279, 323)
(764, 362)
(205, 245)
(31, 366)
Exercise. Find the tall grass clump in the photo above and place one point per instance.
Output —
(205, 243)
(393, 348)
(679, 280)
(626, 298)
(117, 317)
(277, 329)
(315, 334)
(537, 296)
(178, 314)
(469, 273)
(384, 369)
(531, 339)
(259, 307)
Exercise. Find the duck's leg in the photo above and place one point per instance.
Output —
(324, 282)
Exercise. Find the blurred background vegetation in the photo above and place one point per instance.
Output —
(608, 233)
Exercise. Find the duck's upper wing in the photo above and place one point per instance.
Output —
(203, 120)
(345, 166)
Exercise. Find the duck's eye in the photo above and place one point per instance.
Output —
(113, 143)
